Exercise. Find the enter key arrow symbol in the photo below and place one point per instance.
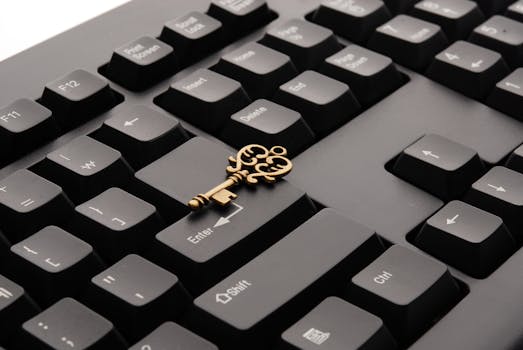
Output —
(225, 220)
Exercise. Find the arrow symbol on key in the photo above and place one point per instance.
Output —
(497, 188)
(430, 154)
(131, 122)
(225, 220)
(476, 64)
(453, 220)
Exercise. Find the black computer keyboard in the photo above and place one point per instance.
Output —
(400, 226)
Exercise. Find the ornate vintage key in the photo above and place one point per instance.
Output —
(252, 162)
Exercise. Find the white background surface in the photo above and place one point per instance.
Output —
(24, 23)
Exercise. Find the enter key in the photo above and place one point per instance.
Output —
(204, 247)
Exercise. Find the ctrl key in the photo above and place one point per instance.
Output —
(337, 325)
(406, 289)
(69, 325)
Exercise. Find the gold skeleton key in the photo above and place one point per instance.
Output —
(251, 163)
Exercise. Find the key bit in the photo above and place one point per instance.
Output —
(252, 163)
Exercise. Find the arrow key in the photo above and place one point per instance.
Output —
(500, 191)
(468, 68)
(507, 96)
(468, 238)
(440, 166)
(142, 134)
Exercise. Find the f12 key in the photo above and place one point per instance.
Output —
(78, 96)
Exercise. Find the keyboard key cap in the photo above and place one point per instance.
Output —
(116, 223)
(354, 20)
(507, 95)
(406, 289)
(468, 238)
(194, 35)
(78, 96)
(24, 125)
(457, 18)
(515, 161)
(500, 191)
(371, 76)
(240, 16)
(311, 263)
(141, 63)
(53, 264)
(503, 35)
(337, 325)
(15, 307)
(29, 203)
(172, 336)
(260, 69)
(137, 295)
(84, 168)
(205, 99)
(515, 11)
(307, 44)
(69, 325)
(468, 68)
(142, 134)
(490, 7)
(409, 41)
(4, 248)
(204, 248)
(324, 103)
(397, 6)
(440, 166)
(267, 123)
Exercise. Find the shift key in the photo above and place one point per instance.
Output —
(258, 302)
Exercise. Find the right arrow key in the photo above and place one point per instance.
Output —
(500, 191)
(468, 238)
